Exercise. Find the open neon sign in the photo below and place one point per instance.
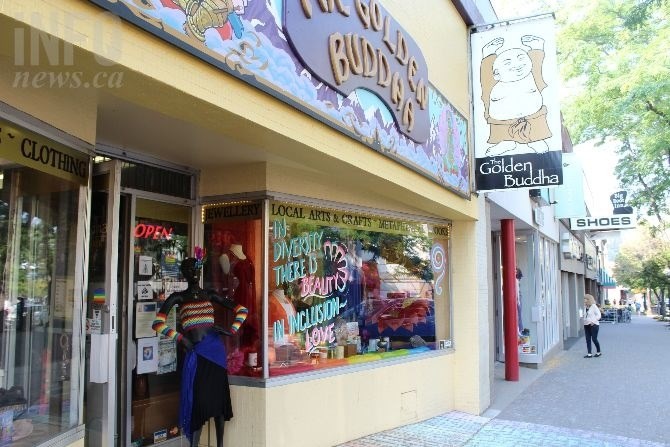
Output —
(148, 231)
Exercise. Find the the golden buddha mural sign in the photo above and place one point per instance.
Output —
(362, 46)
(347, 63)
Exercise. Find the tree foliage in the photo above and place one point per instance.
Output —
(644, 263)
(618, 52)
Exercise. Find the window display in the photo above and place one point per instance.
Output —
(39, 339)
(526, 305)
(344, 287)
(233, 268)
(349, 287)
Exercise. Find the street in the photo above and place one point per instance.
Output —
(619, 399)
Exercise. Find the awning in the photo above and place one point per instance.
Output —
(605, 280)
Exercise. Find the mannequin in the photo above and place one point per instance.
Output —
(204, 392)
(242, 283)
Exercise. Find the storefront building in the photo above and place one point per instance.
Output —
(539, 308)
(573, 267)
(318, 152)
(591, 269)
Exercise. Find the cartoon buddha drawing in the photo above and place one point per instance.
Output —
(512, 85)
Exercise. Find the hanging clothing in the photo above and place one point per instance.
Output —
(205, 392)
(245, 293)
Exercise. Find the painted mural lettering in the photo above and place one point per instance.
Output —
(48, 156)
(318, 336)
(281, 210)
(297, 254)
(358, 221)
(311, 322)
(365, 49)
(334, 257)
(232, 211)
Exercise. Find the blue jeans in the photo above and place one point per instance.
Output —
(591, 333)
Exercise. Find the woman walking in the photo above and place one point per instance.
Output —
(591, 325)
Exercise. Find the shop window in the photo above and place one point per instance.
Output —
(527, 307)
(233, 268)
(347, 288)
(39, 339)
(344, 288)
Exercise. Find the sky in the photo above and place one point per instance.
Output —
(598, 163)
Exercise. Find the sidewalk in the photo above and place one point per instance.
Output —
(620, 399)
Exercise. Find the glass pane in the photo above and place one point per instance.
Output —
(233, 249)
(526, 303)
(348, 288)
(95, 397)
(38, 395)
(161, 233)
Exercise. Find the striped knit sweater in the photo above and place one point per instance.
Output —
(195, 315)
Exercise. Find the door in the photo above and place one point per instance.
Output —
(138, 238)
(161, 235)
(104, 284)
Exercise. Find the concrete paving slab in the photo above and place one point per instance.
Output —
(621, 399)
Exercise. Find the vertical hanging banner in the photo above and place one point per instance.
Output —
(517, 124)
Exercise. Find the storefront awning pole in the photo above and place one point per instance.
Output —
(509, 300)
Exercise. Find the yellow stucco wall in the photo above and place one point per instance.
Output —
(327, 411)
(163, 79)
(443, 38)
(160, 77)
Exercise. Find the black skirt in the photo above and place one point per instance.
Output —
(211, 394)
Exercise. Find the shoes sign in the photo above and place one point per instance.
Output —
(615, 222)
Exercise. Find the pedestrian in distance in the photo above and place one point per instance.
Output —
(591, 325)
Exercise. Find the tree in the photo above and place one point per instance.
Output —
(645, 263)
(618, 54)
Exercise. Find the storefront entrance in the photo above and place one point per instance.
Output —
(138, 238)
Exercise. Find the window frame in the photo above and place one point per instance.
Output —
(444, 337)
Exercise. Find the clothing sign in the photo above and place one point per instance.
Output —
(37, 152)
(617, 222)
(517, 127)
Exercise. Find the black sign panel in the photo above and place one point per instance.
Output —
(519, 171)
